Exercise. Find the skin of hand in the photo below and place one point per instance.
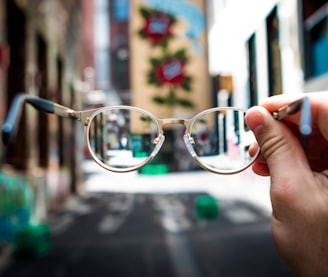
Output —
(299, 181)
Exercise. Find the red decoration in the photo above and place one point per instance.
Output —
(157, 28)
(171, 72)
(167, 69)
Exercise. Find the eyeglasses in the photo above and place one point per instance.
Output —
(125, 138)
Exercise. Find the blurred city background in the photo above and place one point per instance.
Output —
(61, 214)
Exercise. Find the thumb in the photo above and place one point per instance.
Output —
(281, 150)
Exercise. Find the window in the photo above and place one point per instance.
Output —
(252, 71)
(274, 59)
(121, 10)
(121, 74)
(316, 39)
(16, 24)
(43, 135)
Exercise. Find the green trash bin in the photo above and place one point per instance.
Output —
(154, 169)
(16, 205)
(207, 208)
(32, 240)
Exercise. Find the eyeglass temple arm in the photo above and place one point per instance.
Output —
(302, 104)
(9, 128)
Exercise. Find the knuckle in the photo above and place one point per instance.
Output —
(272, 145)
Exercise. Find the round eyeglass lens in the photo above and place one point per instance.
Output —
(122, 138)
(221, 140)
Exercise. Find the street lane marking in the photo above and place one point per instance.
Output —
(119, 208)
(110, 223)
(239, 215)
(175, 222)
(172, 214)
(61, 224)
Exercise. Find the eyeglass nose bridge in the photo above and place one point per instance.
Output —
(187, 138)
(175, 121)
(172, 121)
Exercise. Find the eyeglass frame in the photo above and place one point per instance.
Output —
(10, 125)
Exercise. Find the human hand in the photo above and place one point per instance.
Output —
(299, 181)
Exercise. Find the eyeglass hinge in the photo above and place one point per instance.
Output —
(74, 115)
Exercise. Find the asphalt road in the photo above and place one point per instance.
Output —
(121, 234)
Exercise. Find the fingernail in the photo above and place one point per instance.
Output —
(255, 119)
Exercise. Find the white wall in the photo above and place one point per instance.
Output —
(228, 34)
